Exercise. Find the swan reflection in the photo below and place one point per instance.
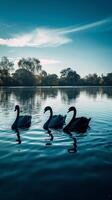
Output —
(50, 138)
(18, 136)
(74, 148)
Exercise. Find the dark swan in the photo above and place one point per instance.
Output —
(21, 121)
(79, 124)
(54, 121)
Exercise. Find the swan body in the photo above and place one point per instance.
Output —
(79, 124)
(54, 121)
(21, 121)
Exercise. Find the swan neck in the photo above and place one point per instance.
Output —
(17, 114)
(73, 118)
(74, 115)
(47, 123)
(51, 113)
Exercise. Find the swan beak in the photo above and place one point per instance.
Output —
(68, 111)
(14, 109)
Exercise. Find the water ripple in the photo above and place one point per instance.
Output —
(34, 164)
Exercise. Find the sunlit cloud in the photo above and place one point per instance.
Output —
(49, 61)
(49, 37)
(40, 37)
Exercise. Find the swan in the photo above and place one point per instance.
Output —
(79, 124)
(21, 121)
(54, 121)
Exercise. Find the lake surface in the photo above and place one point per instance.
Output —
(35, 166)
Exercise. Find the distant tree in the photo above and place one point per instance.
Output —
(101, 80)
(6, 67)
(92, 79)
(30, 73)
(69, 77)
(43, 73)
(41, 77)
(107, 80)
(73, 78)
(24, 77)
(50, 79)
(30, 64)
(65, 72)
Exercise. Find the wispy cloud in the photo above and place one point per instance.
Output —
(99, 25)
(48, 37)
(49, 61)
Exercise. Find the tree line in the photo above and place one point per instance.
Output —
(29, 72)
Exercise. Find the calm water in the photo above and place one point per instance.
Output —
(33, 166)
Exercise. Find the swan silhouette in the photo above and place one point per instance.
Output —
(21, 121)
(79, 124)
(54, 121)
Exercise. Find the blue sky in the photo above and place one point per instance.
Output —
(61, 33)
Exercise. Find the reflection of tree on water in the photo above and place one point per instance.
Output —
(95, 91)
(29, 98)
(106, 91)
(69, 94)
(34, 96)
(91, 91)
(5, 95)
(48, 92)
(24, 95)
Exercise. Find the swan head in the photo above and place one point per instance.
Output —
(47, 108)
(72, 108)
(16, 107)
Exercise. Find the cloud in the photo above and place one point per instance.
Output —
(49, 61)
(40, 37)
(101, 25)
(48, 37)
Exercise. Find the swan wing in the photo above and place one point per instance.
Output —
(80, 124)
(57, 121)
(24, 121)
(51, 123)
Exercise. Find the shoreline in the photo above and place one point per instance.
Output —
(79, 86)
